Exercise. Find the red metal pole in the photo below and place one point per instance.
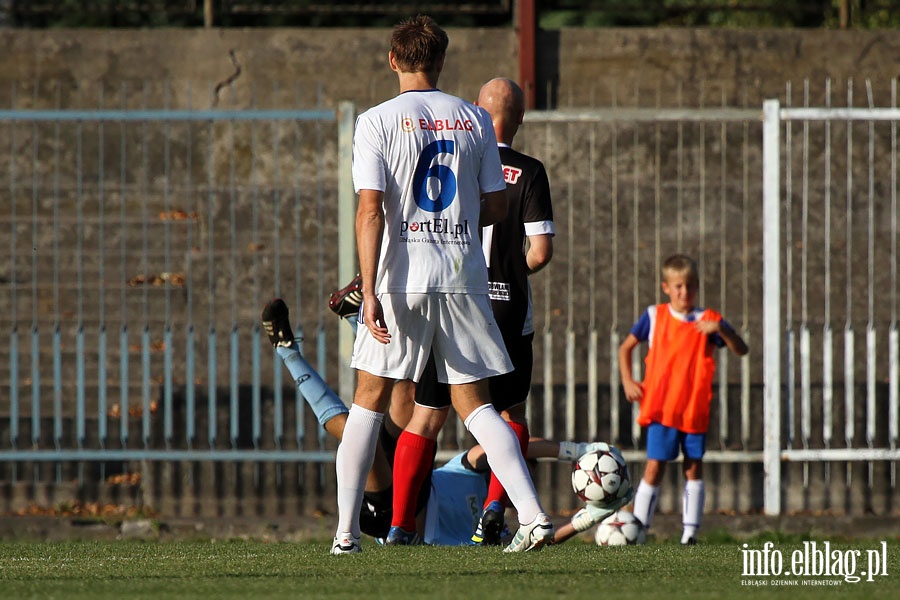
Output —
(527, 30)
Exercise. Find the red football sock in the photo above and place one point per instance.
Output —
(413, 459)
(495, 488)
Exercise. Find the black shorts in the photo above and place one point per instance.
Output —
(429, 391)
(512, 388)
(506, 390)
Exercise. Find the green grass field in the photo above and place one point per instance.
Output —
(249, 569)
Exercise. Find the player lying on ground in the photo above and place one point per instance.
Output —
(449, 507)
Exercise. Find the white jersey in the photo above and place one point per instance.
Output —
(433, 155)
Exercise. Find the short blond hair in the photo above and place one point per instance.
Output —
(681, 264)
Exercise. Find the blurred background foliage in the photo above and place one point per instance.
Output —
(552, 14)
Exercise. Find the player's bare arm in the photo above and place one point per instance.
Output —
(633, 390)
(732, 340)
(369, 227)
(540, 251)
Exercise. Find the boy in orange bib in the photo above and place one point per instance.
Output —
(677, 387)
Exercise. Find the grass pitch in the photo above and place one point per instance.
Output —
(257, 570)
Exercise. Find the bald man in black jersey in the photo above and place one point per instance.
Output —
(517, 246)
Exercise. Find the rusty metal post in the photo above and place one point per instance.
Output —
(526, 21)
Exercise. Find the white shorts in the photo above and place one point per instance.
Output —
(458, 328)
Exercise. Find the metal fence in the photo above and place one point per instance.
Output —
(831, 227)
(143, 243)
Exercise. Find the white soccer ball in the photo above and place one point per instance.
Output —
(601, 477)
(620, 529)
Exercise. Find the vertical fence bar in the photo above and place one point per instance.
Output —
(805, 343)
(849, 338)
(14, 387)
(211, 395)
(570, 386)
(745, 285)
(893, 335)
(13, 283)
(80, 396)
(168, 346)
(123, 278)
(701, 193)
(870, 263)
(615, 381)
(724, 434)
(146, 379)
(320, 270)
(827, 333)
(57, 333)
(679, 184)
(893, 395)
(593, 381)
(255, 361)
(790, 347)
(234, 363)
(35, 347)
(256, 400)
(146, 374)
(35, 388)
(234, 396)
(277, 400)
(772, 306)
(593, 376)
(211, 366)
(548, 382)
(570, 284)
(255, 376)
(101, 286)
(57, 396)
(299, 402)
(547, 335)
(123, 382)
(168, 382)
(322, 360)
(190, 399)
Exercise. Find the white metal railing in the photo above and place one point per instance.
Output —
(871, 270)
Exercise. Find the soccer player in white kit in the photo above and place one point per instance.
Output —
(428, 175)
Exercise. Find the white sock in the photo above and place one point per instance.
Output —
(692, 508)
(645, 502)
(505, 458)
(353, 461)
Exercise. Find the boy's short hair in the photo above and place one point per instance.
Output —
(419, 45)
(681, 263)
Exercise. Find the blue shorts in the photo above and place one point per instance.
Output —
(663, 443)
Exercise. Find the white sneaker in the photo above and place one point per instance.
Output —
(346, 544)
(532, 536)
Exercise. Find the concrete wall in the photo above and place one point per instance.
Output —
(577, 67)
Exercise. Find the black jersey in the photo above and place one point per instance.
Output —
(528, 190)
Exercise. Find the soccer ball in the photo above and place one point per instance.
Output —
(620, 529)
(601, 477)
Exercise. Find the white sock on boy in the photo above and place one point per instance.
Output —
(645, 502)
(692, 509)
